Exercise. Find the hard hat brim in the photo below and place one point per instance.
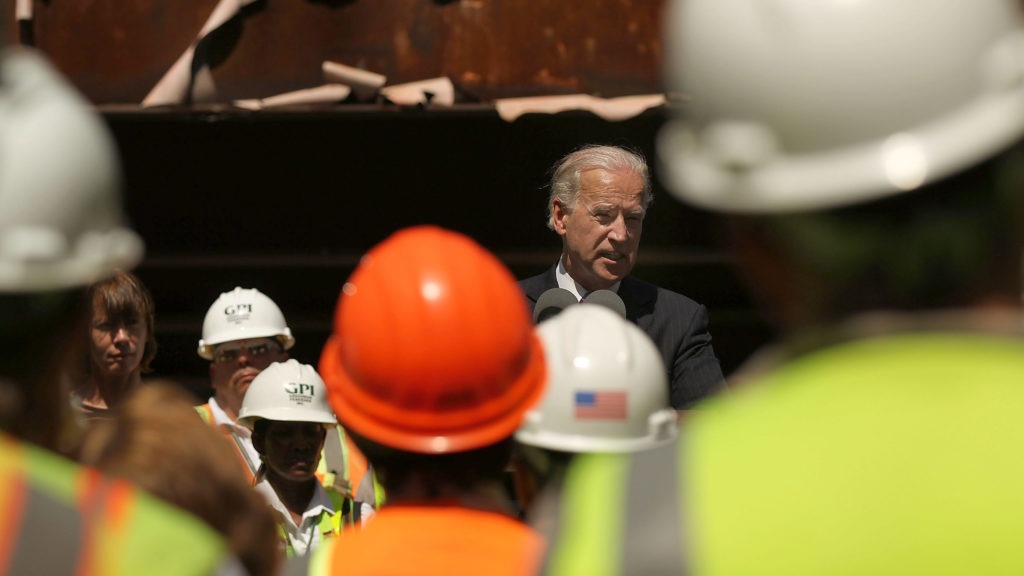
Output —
(392, 426)
(205, 347)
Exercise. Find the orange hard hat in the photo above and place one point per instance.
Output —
(433, 349)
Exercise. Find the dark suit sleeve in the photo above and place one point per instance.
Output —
(696, 372)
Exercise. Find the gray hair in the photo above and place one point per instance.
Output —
(565, 178)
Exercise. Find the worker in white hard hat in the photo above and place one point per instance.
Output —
(606, 392)
(244, 332)
(286, 409)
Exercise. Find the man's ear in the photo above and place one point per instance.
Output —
(558, 214)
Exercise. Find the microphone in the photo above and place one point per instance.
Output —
(551, 303)
(608, 299)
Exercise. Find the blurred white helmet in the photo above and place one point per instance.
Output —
(607, 390)
(286, 391)
(61, 222)
(241, 314)
(792, 105)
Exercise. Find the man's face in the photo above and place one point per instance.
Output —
(601, 234)
(236, 363)
(291, 450)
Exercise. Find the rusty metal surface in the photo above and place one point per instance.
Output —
(115, 51)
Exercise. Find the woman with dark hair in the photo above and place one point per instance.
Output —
(120, 343)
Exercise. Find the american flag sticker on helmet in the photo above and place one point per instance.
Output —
(600, 405)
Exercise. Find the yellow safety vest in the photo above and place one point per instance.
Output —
(893, 454)
(57, 518)
(329, 525)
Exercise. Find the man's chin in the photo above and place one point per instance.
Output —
(242, 384)
(614, 272)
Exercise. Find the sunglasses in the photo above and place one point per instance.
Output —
(231, 351)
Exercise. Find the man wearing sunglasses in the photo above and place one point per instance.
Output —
(244, 332)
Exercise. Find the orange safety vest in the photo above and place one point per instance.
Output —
(57, 518)
(430, 540)
(206, 413)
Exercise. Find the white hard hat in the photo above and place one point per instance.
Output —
(286, 391)
(606, 391)
(61, 223)
(241, 314)
(793, 105)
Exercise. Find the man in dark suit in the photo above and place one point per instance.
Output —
(598, 199)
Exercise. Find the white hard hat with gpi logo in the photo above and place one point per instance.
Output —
(241, 314)
(287, 391)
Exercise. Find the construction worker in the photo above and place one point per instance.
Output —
(607, 391)
(244, 331)
(868, 158)
(432, 363)
(286, 409)
(61, 229)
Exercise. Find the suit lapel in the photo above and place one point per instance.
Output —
(538, 285)
(639, 298)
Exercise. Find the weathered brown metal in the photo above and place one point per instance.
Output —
(116, 51)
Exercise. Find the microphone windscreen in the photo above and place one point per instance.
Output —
(608, 299)
(551, 302)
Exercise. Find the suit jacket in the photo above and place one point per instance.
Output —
(676, 324)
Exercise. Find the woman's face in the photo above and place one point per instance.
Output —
(116, 347)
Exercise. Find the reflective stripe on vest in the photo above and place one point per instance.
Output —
(12, 487)
(315, 563)
(248, 466)
(105, 506)
(71, 520)
(332, 525)
(29, 515)
(663, 551)
(206, 413)
(357, 473)
(47, 522)
(334, 462)
(379, 494)
(599, 534)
